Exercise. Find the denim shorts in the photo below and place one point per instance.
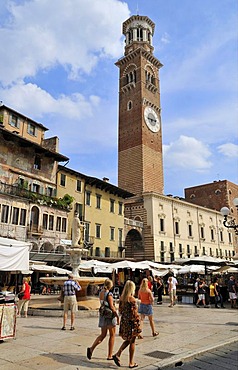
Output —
(145, 309)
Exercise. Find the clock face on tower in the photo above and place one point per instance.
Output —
(151, 119)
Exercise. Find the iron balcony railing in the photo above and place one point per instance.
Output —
(32, 196)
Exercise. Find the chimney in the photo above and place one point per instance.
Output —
(106, 179)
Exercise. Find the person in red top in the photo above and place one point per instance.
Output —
(146, 305)
(24, 301)
(150, 282)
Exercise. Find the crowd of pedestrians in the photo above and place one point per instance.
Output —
(132, 312)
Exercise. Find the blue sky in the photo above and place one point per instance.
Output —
(57, 67)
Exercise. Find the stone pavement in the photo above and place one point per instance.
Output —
(185, 331)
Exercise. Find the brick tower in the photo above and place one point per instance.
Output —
(140, 164)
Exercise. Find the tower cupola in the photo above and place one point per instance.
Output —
(138, 31)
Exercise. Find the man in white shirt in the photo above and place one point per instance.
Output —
(174, 284)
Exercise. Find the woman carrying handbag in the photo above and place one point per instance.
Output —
(106, 323)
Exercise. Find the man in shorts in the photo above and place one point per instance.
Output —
(70, 302)
(174, 288)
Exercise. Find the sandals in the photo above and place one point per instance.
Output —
(133, 366)
(155, 334)
(140, 336)
(116, 360)
(89, 353)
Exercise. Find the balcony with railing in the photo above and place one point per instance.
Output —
(18, 191)
(135, 223)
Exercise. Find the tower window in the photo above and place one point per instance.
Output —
(129, 105)
(131, 77)
(139, 34)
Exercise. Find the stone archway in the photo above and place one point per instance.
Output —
(46, 247)
(134, 246)
(60, 249)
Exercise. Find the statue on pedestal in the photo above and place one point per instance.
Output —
(77, 232)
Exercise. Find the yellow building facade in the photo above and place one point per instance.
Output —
(100, 206)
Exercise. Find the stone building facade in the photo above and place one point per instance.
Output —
(29, 209)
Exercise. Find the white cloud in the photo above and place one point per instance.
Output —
(74, 33)
(229, 150)
(36, 101)
(211, 124)
(189, 153)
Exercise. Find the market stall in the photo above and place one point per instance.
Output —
(14, 256)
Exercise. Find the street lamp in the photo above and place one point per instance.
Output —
(225, 212)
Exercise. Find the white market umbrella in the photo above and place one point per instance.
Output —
(51, 269)
(125, 264)
(196, 269)
(227, 270)
(206, 260)
(98, 266)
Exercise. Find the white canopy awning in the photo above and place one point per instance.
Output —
(198, 269)
(14, 255)
(50, 269)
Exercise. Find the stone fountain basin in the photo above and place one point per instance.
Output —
(84, 282)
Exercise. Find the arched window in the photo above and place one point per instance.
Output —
(129, 105)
